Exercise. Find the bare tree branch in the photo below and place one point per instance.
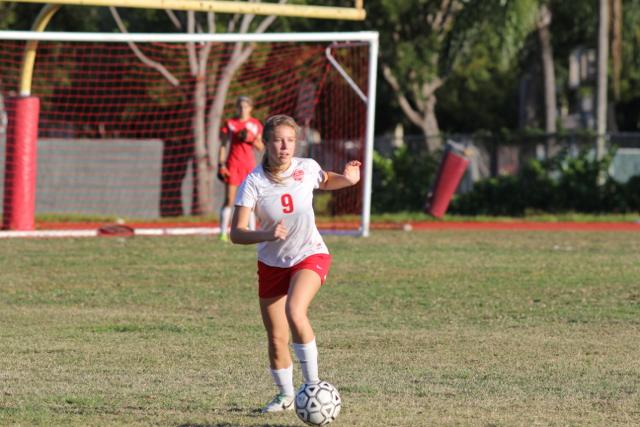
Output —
(440, 19)
(174, 19)
(428, 89)
(206, 49)
(204, 58)
(141, 56)
(266, 23)
(211, 21)
(246, 22)
(411, 113)
(239, 55)
(419, 101)
(231, 25)
(191, 47)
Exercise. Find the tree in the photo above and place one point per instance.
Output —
(616, 47)
(207, 116)
(548, 71)
(7, 15)
(628, 104)
(603, 61)
(421, 42)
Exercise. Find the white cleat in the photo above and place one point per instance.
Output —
(280, 403)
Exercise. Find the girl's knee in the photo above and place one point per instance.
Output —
(296, 316)
(279, 340)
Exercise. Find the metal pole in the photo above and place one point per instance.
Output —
(368, 153)
(29, 59)
(356, 36)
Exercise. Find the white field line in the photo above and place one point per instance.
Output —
(168, 231)
(178, 231)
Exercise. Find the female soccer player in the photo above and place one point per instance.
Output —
(293, 260)
(243, 135)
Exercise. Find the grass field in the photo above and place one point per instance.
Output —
(415, 329)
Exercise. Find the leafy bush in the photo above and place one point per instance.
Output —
(401, 181)
(563, 184)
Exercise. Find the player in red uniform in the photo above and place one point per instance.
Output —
(242, 135)
(293, 260)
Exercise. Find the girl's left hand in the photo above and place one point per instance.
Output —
(352, 171)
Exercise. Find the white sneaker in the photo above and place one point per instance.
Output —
(281, 402)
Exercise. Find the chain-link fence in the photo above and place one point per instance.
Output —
(495, 155)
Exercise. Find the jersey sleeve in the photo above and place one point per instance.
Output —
(316, 173)
(247, 193)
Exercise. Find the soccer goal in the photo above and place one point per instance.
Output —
(129, 123)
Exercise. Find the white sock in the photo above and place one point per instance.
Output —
(225, 217)
(284, 380)
(252, 221)
(307, 354)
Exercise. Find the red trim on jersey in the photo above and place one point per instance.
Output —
(274, 281)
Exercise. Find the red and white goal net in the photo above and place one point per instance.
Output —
(118, 119)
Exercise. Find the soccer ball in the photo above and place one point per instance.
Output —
(318, 404)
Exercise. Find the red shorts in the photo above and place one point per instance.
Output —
(274, 281)
(238, 172)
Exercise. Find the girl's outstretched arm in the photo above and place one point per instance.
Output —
(350, 176)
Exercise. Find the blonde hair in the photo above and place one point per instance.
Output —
(269, 129)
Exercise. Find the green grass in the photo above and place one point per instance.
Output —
(534, 217)
(415, 329)
(397, 217)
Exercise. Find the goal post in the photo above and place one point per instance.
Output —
(116, 135)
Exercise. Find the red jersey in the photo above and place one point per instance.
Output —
(241, 149)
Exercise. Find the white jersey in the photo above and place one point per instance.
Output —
(291, 200)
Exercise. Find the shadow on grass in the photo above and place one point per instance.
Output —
(250, 413)
(235, 425)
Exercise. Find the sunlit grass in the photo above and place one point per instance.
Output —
(425, 328)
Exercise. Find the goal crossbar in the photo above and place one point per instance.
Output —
(356, 13)
(368, 36)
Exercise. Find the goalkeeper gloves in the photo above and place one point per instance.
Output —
(223, 173)
(245, 135)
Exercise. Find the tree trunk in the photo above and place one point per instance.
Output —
(203, 200)
(430, 126)
(238, 58)
(616, 46)
(616, 61)
(549, 78)
(423, 114)
(603, 58)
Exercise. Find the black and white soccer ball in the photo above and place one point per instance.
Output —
(318, 404)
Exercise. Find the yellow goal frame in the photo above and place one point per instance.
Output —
(355, 13)
(220, 6)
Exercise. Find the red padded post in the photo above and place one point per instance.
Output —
(19, 202)
(450, 173)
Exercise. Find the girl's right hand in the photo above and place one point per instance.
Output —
(280, 231)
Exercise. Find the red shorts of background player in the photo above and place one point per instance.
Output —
(274, 281)
(238, 172)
